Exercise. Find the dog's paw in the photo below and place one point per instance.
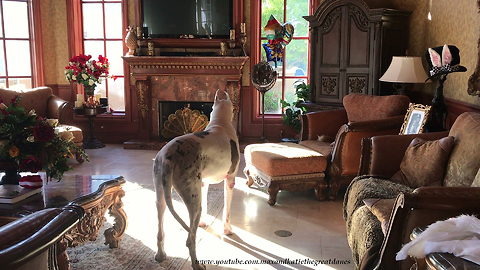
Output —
(197, 266)
(160, 256)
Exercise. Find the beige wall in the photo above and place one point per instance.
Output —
(454, 23)
(55, 40)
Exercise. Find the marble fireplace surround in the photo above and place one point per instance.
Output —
(191, 79)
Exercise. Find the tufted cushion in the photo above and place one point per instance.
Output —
(277, 159)
(464, 161)
(361, 107)
(324, 148)
(30, 98)
(424, 163)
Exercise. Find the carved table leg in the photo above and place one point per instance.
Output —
(113, 235)
(273, 189)
(321, 187)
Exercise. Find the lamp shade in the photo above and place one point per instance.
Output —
(405, 69)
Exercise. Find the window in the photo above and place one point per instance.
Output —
(103, 35)
(17, 51)
(294, 63)
(96, 27)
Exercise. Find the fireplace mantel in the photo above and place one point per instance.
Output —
(182, 78)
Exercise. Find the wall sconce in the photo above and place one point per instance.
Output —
(403, 72)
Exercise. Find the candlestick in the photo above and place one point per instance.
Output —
(242, 28)
(232, 34)
(80, 97)
(78, 103)
(97, 97)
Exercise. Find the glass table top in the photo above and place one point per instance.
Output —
(72, 188)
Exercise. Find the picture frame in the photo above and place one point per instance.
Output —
(415, 119)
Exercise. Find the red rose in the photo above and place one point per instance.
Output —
(43, 133)
(31, 164)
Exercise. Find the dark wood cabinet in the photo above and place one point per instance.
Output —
(352, 45)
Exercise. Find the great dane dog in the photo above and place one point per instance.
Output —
(189, 163)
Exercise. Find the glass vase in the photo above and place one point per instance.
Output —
(90, 94)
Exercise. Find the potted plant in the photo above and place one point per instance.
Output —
(292, 112)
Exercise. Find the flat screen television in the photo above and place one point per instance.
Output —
(197, 18)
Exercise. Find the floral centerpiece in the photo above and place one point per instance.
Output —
(84, 70)
(34, 143)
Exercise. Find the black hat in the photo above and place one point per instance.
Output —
(443, 60)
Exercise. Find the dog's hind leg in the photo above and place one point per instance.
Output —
(161, 205)
(203, 217)
(193, 202)
(229, 183)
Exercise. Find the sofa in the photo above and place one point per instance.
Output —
(451, 189)
(47, 105)
(36, 241)
(337, 134)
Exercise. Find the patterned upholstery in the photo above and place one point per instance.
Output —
(30, 98)
(361, 107)
(279, 159)
(464, 161)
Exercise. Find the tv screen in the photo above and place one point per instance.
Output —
(197, 18)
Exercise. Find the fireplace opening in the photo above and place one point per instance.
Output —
(167, 108)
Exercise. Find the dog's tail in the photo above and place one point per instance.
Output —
(167, 181)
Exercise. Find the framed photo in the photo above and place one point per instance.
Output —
(415, 119)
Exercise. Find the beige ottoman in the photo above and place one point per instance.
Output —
(285, 166)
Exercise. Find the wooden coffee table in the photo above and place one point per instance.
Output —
(94, 193)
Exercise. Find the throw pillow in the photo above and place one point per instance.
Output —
(381, 208)
(424, 163)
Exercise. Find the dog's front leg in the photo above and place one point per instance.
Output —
(229, 185)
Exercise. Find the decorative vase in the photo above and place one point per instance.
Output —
(11, 176)
(131, 41)
(90, 93)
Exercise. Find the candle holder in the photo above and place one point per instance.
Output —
(243, 40)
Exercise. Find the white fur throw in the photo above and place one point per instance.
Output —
(459, 236)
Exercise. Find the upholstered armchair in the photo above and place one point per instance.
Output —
(338, 133)
(47, 105)
(458, 193)
(36, 241)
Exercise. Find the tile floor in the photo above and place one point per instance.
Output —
(318, 229)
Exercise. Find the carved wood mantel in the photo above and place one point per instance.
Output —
(182, 78)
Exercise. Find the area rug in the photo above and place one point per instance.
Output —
(138, 254)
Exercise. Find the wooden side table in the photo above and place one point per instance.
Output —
(90, 113)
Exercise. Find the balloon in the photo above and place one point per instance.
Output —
(288, 31)
(272, 53)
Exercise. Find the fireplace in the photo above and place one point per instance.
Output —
(168, 108)
(161, 79)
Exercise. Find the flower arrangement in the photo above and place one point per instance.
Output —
(84, 70)
(34, 143)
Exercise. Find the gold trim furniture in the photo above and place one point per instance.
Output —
(96, 194)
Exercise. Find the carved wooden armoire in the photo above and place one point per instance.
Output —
(352, 45)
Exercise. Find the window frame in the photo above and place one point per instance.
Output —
(35, 42)
(256, 54)
(76, 46)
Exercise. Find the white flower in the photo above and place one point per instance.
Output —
(74, 78)
(3, 106)
(90, 82)
(31, 139)
(52, 122)
(84, 76)
(32, 112)
(66, 135)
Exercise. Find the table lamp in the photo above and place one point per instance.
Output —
(403, 72)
